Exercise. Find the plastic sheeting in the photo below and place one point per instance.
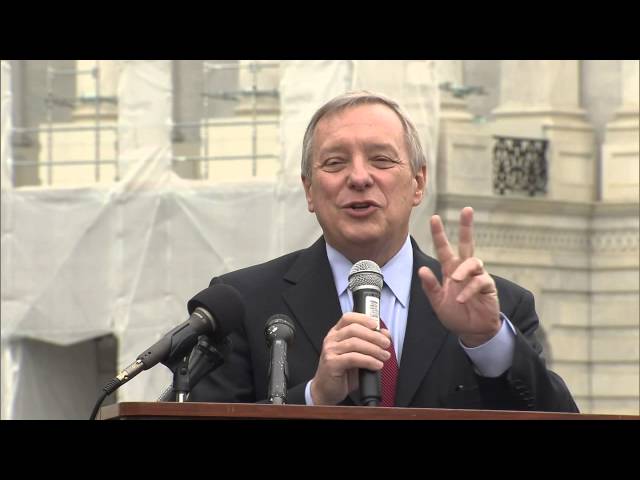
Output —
(78, 263)
(5, 113)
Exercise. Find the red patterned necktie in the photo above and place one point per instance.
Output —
(389, 376)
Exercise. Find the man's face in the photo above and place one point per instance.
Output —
(362, 188)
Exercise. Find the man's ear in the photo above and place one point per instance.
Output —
(421, 183)
(306, 183)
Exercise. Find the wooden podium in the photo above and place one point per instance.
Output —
(251, 411)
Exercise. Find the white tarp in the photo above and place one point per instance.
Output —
(78, 263)
(5, 113)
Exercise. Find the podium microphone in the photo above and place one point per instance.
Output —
(215, 312)
(279, 332)
(365, 283)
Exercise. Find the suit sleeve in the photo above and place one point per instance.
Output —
(528, 384)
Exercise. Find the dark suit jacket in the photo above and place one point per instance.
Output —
(434, 370)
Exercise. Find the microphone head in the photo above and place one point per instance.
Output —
(365, 272)
(225, 305)
(279, 327)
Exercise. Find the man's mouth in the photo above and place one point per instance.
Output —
(360, 205)
(361, 209)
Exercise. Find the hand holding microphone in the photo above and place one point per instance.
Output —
(365, 284)
(354, 343)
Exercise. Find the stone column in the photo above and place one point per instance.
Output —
(620, 157)
(24, 145)
(464, 148)
(540, 99)
(615, 308)
(450, 75)
(615, 260)
(102, 83)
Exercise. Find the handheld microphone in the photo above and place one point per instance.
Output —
(279, 332)
(215, 312)
(365, 283)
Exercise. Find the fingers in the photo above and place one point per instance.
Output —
(353, 344)
(481, 284)
(465, 233)
(444, 252)
(340, 357)
(359, 360)
(353, 337)
(351, 318)
(476, 277)
(470, 267)
(358, 325)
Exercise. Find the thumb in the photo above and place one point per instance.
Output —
(353, 381)
(430, 284)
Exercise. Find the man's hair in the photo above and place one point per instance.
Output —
(353, 99)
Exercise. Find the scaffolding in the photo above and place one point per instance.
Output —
(52, 100)
(253, 94)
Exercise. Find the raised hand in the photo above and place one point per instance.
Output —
(467, 301)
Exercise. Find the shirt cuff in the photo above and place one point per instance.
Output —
(307, 393)
(494, 357)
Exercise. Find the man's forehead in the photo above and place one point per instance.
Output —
(360, 113)
(344, 123)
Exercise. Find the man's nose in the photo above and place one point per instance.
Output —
(359, 174)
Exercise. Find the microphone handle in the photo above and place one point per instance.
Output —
(169, 350)
(179, 341)
(367, 301)
(278, 372)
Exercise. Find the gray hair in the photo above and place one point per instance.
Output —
(352, 99)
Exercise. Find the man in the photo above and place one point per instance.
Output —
(454, 336)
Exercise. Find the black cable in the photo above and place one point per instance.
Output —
(98, 403)
(107, 390)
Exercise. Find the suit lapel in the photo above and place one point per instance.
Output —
(424, 336)
(312, 298)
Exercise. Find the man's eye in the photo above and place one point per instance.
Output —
(384, 162)
(333, 164)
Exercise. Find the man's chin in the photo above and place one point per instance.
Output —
(360, 240)
(362, 234)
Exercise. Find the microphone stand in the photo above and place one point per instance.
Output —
(180, 387)
(181, 380)
(189, 370)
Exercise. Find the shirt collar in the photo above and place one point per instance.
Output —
(396, 272)
(340, 266)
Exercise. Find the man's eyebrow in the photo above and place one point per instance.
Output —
(378, 147)
(341, 147)
(337, 147)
